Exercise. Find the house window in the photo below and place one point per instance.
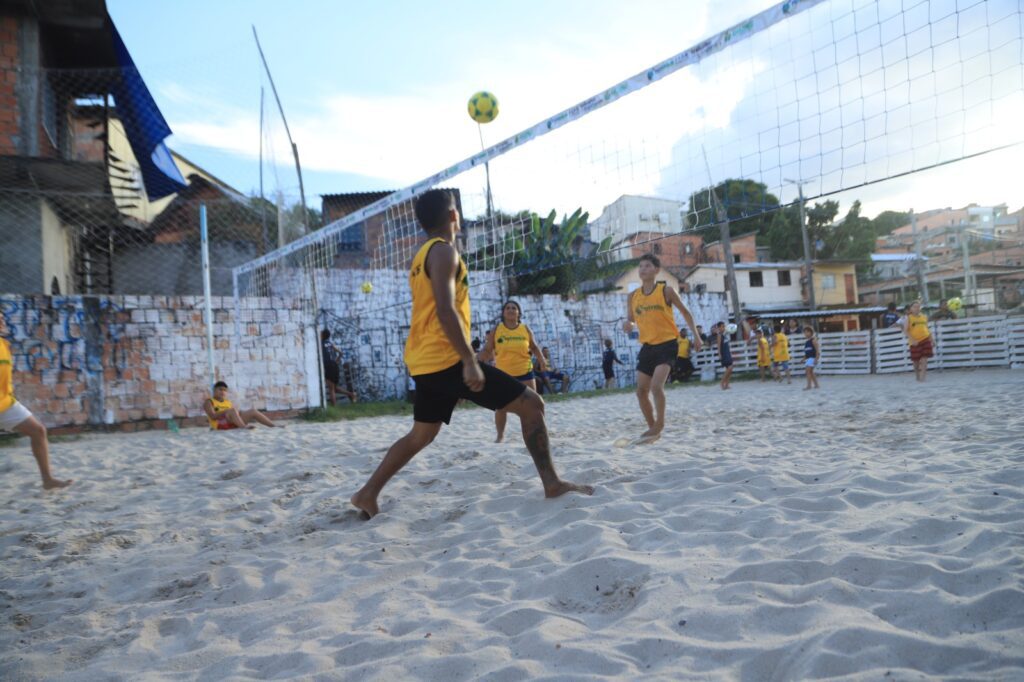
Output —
(757, 279)
(736, 259)
(828, 281)
(784, 278)
(656, 249)
(688, 249)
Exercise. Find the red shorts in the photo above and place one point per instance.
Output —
(225, 426)
(921, 349)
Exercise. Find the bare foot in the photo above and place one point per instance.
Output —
(648, 438)
(56, 483)
(365, 504)
(807, 388)
(563, 487)
(250, 426)
(501, 437)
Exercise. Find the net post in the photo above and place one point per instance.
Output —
(208, 307)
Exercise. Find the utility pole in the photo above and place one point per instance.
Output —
(808, 261)
(919, 266)
(730, 272)
(968, 292)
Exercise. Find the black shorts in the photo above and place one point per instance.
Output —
(609, 372)
(438, 392)
(651, 356)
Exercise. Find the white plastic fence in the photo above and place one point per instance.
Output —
(990, 341)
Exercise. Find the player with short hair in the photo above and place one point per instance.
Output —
(224, 416)
(443, 365)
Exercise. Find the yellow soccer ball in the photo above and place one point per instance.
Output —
(955, 304)
(483, 107)
(367, 287)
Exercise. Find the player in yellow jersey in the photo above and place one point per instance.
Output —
(511, 344)
(683, 369)
(780, 355)
(15, 417)
(650, 309)
(443, 364)
(224, 416)
(764, 357)
(915, 326)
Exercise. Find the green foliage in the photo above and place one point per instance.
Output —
(887, 221)
(551, 256)
(748, 204)
(784, 238)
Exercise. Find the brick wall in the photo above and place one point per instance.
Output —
(141, 360)
(8, 85)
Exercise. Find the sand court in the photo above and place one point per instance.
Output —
(873, 527)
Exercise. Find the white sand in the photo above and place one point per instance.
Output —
(874, 528)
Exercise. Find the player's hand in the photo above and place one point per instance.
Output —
(473, 376)
(697, 345)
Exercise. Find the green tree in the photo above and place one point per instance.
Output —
(784, 238)
(887, 221)
(748, 204)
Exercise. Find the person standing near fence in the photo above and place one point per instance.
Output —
(684, 366)
(915, 326)
(608, 360)
(15, 417)
(812, 357)
(780, 355)
(764, 355)
(724, 354)
(332, 370)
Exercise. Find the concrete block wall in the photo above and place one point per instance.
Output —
(371, 329)
(141, 360)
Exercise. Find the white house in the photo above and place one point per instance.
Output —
(630, 214)
(761, 286)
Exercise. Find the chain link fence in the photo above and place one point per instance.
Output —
(75, 214)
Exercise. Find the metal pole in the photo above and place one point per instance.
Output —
(263, 199)
(205, 243)
(922, 279)
(487, 174)
(295, 148)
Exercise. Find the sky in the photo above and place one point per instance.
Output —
(375, 95)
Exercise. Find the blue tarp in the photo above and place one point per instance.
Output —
(145, 127)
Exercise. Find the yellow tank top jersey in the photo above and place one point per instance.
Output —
(428, 350)
(6, 372)
(763, 359)
(918, 325)
(684, 348)
(218, 407)
(653, 316)
(512, 349)
(781, 350)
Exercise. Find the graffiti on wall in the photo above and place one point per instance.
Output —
(83, 336)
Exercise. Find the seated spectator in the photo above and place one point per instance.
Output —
(223, 416)
(552, 374)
